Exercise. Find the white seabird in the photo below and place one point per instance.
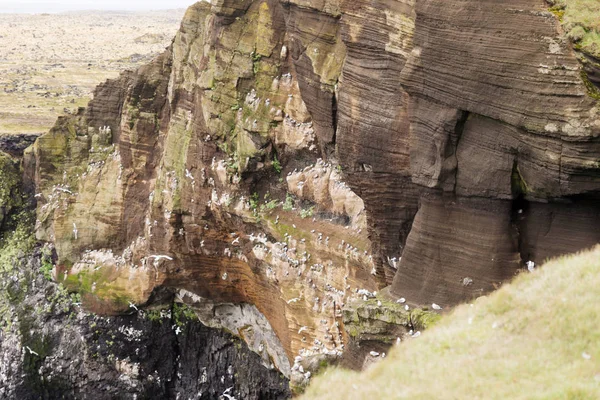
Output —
(31, 351)
(161, 257)
(530, 266)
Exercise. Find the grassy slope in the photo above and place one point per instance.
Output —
(525, 341)
(581, 19)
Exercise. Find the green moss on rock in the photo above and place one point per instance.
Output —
(583, 18)
(99, 286)
(375, 319)
(423, 319)
(591, 88)
(10, 197)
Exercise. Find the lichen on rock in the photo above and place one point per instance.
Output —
(282, 157)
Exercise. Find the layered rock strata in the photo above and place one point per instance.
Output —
(55, 349)
(283, 158)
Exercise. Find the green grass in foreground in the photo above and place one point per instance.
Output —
(581, 19)
(536, 338)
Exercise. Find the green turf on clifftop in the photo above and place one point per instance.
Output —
(536, 338)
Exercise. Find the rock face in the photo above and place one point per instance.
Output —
(15, 145)
(54, 349)
(11, 199)
(498, 111)
(284, 157)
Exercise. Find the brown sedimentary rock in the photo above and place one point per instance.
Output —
(372, 117)
(318, 55)
(281, 156)
(167, 194)
(458, 248)
(557, 228)
(498, 110)
(493, 58)
(373, 125)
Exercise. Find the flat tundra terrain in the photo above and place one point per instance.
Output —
(50, 63)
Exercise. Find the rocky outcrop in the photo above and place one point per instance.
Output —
(15, 145)
(10, 195)
(503, 114)
(283, 158)
(204, 172)
(55, 349)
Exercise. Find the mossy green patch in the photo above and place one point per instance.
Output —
(175, 158)
(282, 230)
(558, 11)
(327, 61)
(134, 115)
(276, 165)
(16, 216)
(99, 284)
(156, 315)
(582, 16)
(288, 205)
(592, 89)
(518, 184)
(307, 212)
(182, 314)
(10, 197)
(422, 319)
(64, 153)
(265, 34)
(15, 243)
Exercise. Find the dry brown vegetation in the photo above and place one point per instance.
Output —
(50, 63)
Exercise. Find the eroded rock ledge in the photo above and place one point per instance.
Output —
(283, 156)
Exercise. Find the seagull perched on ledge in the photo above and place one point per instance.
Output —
(64, 190)
(226, 394)
(161, 257)
(530, 266)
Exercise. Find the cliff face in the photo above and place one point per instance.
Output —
(281, 156)
(51, 348)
